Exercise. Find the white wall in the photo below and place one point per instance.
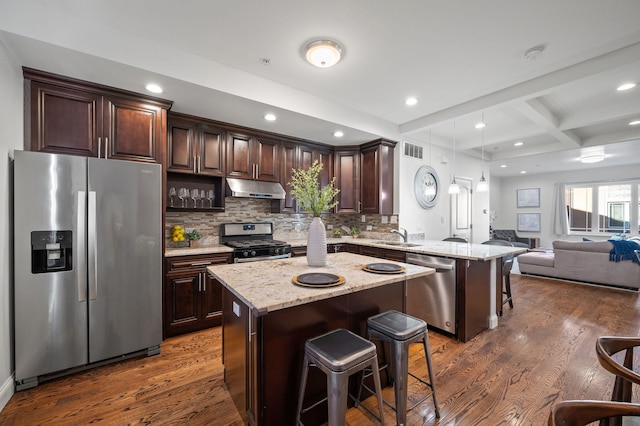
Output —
(11, 137)
(506, 207)
(434, 223)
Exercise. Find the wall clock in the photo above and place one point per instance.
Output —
(426, 186)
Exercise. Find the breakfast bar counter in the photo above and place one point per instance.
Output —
(267, 319)
(267, 286)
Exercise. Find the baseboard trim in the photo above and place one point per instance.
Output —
(6, 391)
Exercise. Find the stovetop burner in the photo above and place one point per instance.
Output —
(253, 241)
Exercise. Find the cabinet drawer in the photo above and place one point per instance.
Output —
(182, 263)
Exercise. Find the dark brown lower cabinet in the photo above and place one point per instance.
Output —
(263, 355)
(192, 299)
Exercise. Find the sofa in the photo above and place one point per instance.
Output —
(586, 261)
(511, 236)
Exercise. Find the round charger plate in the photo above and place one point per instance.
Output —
(384, 268)
(318, 279)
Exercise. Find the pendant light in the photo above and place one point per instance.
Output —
(430, 190)
(454, 188)
(483, 185)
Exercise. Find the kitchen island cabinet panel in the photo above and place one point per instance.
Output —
(263, 372)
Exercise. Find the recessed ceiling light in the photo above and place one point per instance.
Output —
(153, 88)
(411, 101)
(323, 53)
(634, 123)
(626, 86)
(270, 117)
(522, 172)
(338, 134)
(503, 165)
(480, 125)
(592, 158)
(519, 143)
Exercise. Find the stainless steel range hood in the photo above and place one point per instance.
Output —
(255, 189)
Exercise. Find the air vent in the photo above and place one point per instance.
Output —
(411, 150)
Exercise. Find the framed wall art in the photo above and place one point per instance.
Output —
(528, 197)
(529, 222)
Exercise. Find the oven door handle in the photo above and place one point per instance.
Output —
(259, 258)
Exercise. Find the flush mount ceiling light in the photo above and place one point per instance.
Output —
(270, 117)
(323, 53)
(338, 133)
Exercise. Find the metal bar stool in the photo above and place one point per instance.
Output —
(400, 330)
(507, 265)
(339, 354)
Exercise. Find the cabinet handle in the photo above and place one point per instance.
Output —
(199, 164)
(203, 263)
(359, 206)
(194, 165)
(204, 282)
(200, 281)
(106, 147)
(99, 145)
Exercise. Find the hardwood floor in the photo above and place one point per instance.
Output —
(542, 352)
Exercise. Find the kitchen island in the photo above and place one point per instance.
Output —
(267, 319)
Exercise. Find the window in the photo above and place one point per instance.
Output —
(603, 207)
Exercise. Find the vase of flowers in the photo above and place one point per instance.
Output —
(306, 190)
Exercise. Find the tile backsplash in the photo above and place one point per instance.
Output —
(287, 226)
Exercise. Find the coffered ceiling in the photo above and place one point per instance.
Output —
(236, 60)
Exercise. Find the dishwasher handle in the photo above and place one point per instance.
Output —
(438, 268)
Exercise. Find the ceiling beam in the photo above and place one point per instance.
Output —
(535, 111)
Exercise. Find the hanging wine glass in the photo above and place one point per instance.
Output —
(211, 196)
(195, 194)
(203, 196)
(182, 194)
(172, 193)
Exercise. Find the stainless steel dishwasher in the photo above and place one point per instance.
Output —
(432, 298)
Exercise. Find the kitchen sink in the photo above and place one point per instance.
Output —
(397, 243)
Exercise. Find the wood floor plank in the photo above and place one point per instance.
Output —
(542, 352)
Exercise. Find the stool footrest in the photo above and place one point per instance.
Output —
(368, 373)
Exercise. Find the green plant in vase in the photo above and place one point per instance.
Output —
(306, 190)
(194, 237)
(354, 231)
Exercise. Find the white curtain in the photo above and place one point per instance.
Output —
(560, 217)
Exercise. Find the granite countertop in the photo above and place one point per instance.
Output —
(450, 249)
(272, 288)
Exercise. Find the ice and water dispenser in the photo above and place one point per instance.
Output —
(51, 251)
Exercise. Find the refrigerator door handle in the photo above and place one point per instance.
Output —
(81, 267)
(93, 247)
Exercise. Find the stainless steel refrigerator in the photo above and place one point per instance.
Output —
(87, 262)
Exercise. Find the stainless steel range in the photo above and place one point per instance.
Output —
(252, 242)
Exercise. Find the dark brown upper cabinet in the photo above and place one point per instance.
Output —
(252, 157)
(376, 182)
(195, 146)
(347, 171)
(70, 116)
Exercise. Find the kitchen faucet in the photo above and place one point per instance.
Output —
(402, 234)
